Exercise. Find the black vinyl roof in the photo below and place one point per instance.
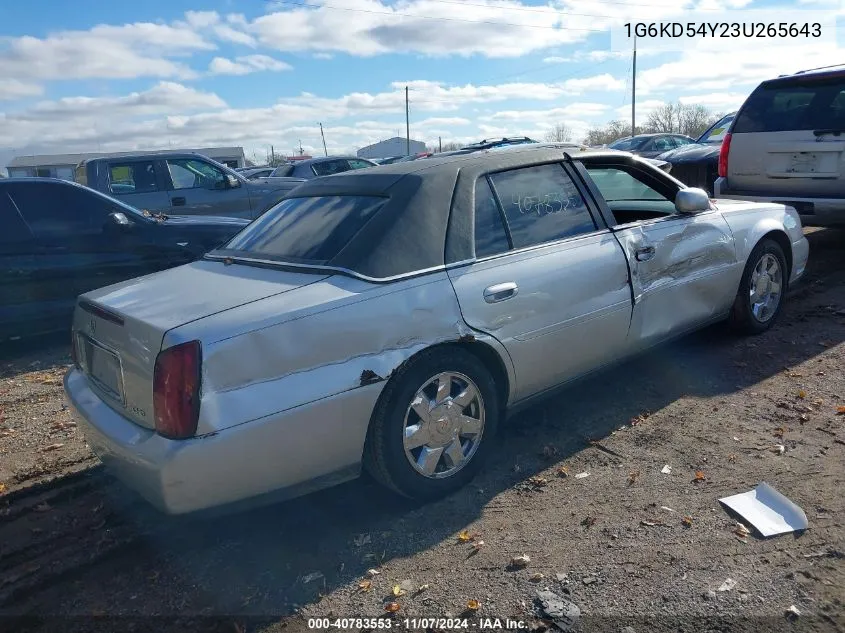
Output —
(426, 199)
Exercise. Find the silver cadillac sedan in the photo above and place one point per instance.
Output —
(389, 318)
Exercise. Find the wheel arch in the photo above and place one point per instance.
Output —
(781, 239)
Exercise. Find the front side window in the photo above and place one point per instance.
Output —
(306, 230)
(661, 144)
(133, 177)
(616, 185)
(15, 229)
(490, 235)
(716, 133)
(195, 174)
(56, 210)
(356, 163)
(541, 204)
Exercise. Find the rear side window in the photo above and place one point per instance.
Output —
(490, 235)
(56, 211)
(329, 167)
(133, 177)
(282, 171)
(541, 205)
(794, 105)
(306, 230)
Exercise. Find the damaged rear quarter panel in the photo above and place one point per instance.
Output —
(331, 337)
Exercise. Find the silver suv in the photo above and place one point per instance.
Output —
(787, 144)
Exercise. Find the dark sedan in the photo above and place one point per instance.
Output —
(325, 166)
(61, 239)
(651, 145)
(697, 164)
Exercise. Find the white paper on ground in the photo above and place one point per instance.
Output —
(767, 510)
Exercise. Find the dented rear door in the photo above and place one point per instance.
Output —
(683, 273)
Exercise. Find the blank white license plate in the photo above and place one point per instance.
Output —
(103, 366)
(804, 163)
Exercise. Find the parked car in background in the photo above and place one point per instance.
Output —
(325, 166)
(61, 239)
(697, 164)
(251, 173)
(387, 161)
(187, 184)
(391, 316)
(787, 144)
(651, 145)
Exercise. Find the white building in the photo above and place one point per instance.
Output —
(395, 146)
(63, 165)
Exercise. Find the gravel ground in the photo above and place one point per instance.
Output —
(629, 545)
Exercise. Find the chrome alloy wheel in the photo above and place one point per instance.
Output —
(443, 425)
(765, 288)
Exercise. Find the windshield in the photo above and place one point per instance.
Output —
(717, 132)
(804, 103)
(306, 230)
(626, 144)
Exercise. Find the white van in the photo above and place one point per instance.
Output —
(787, 144)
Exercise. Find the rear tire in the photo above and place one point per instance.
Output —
(762, 289)
(443, 396)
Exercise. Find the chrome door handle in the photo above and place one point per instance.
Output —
(644, 254)
(500, 292)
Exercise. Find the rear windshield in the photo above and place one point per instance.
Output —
(629, 143)
(802, 104)
(306, 230)
(282, 171)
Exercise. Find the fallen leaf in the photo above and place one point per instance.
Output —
(778, 449)
(372, 573)
(422, 588)
(536, 577)
(473, 605)
(582, 475)
(687, 521)
(840, 410)
(464, 537)
(666, 470)
(731, 457)
(392, 607)
(639, 419)
(651, 523)
(793, 612)
(804, 418)
(398, 591)
(729, 584)
(795, 375)
(52, 447)
(589, 522)
(563, 471)
(780, 431)
(478, 545)
(365, 585)
(538, 481)
(699, 475)
(633, 476)
(741, 531)
(2, 488)
(802, 394)
(520, 561)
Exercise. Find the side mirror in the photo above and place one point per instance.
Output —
(232, 182)
(692, 200)
(118, 221)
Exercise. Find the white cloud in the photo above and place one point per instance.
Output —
(245, 65)
(556, 60)
(718, 101)
(15, 89)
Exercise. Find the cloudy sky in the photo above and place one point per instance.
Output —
(111, 76)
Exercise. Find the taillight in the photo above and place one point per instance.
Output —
(723, 156)
(176, 390)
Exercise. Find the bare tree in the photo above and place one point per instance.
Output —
(603, 135)
(680, 118)
(560, 133)
(451, 147)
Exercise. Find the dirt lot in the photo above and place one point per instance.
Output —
(631, 546)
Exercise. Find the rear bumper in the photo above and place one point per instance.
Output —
(289, 453)
(813, 211)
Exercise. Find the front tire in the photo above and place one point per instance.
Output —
(434, 424)
(762, 289)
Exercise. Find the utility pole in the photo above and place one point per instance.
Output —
(634, 91)
(439, 144)
(324, 140)
(272, 155)
(407, 125)
(301, 151)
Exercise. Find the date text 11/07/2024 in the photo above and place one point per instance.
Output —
(807, 30)
(418, 624)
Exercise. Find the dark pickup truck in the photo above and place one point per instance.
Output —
(183, 184)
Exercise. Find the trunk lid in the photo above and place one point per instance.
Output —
(119, 329)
